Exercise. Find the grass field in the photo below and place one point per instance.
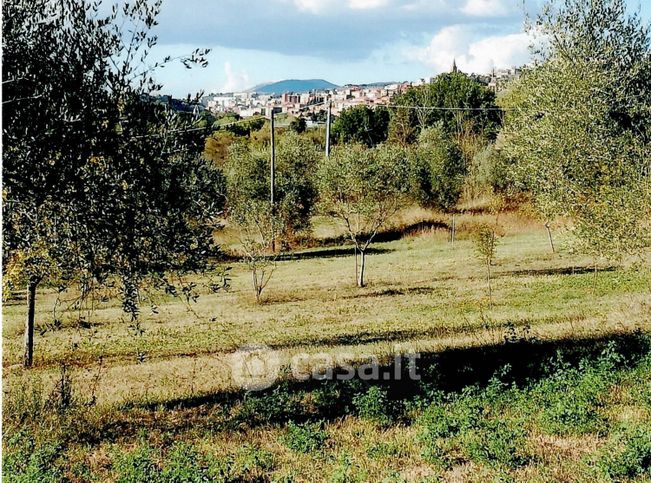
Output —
(163, 395)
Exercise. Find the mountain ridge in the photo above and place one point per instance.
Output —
(297, 86)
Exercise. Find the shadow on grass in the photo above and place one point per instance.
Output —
(389, 235)
(330, 253)
(450, 370)
(554, 271)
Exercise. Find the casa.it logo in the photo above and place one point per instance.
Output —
(255, 367)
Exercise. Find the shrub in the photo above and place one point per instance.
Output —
(373, 405)
(631, 461)
(305, 438)
(24, 461)
(462, 413)
(185, 465)
(347, 471)
(571, 397)
(442, 423)
(498, 442)
(251, 459)
(278, 405)
(137, 466)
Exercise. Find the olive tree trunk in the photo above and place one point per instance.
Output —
(362, 265)
(551, 239)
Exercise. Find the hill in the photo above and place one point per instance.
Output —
(293, 85)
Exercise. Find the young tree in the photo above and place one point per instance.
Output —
(99, 179)
(260, 228)
(485, 240)
(265, 227)
(363, 188)
(579, 132)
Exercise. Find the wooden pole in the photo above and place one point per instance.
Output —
(272, 188)
(28, 356)
(454, 230)
(327, 146)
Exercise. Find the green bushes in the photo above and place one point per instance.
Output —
(571, 397)
(437, 170)
(26, 461)
(462, 428)
(137, 466)
(373, 405)
(498, 442)
(184, 464)
(629, 457)
(305, 438)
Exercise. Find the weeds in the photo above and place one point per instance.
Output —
(629, 457)
(305, 438)
(374, 405)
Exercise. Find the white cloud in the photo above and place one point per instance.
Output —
(235, 81)
(472, 54)
(486, 8)
(317, 7)
(367, 4)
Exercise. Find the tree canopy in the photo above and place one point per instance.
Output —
(99, 179)
(362, 125)
(578, 134)
(450, 93)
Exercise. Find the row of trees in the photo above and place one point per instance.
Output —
(572, 135)
(360, 186)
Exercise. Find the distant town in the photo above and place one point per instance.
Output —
(308, 99)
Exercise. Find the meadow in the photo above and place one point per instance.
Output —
(546, 380)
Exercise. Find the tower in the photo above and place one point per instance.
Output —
(454, 66)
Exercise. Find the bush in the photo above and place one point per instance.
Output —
(631, 461)
(498, 442)
(437, 170)
(278, 405)
(184, 464)
(305, 438)
(252, 459)
(25, 461)
(373, 405)
(571, 397)
(444, 422)
(137, 466)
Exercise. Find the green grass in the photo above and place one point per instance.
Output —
(163, 395)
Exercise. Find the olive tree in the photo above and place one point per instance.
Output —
(248, 176)
(437, 169)
(363, 188)
(578, 129)
(101, 182)
(264, 228)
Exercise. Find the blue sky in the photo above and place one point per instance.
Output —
(343, 41)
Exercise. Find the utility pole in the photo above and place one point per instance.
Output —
(273, 181)
(328, 129)
(273, 159)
